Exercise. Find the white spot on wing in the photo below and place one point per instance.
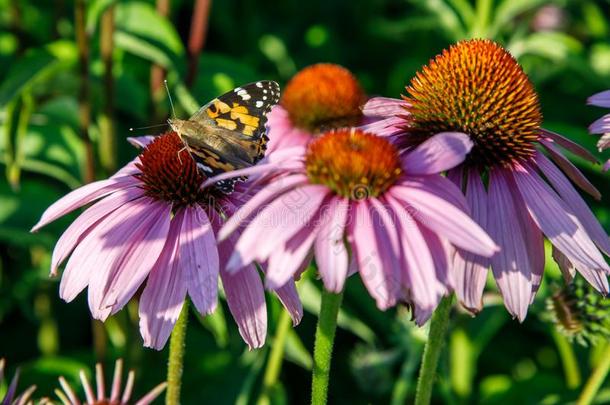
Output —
(259, 104)
(259, 84)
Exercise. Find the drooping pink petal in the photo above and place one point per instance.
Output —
(574, 201)
(386, 127)
(441, 152)
(441, 186)
(139, 258)
(384, 106)
(198, 258)
(418, 271)
(445, 219)
(246, 300)
(282, 133)
(571, 171)
(368, 250)
(601, 125)
(165, 291)
(569, 145)
(289, 297)
(511, 267)
(141, 141)
(82, 196)
(561, 226)
(86, 221)
(276, 223)
(565, 265)
(604, 142)
(601, 99)
(330, 250)
(258, 201)
(470, 270)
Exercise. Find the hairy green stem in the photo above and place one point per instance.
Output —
(596, 379)
(274, 365)
(432, 351)
(176, 357)
(323, 346)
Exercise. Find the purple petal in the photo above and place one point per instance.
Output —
(82, 196)
(574, 201)
(441, 152)
(571, 171)
(385, 106)
(441, 187)
(601, 125)
(258, 201)
(289, 297)
(369, 250)
(246, 300)
(470, 270)
(141, 141)
(331, 253)
(569, 145)
(86, 221)
(276, 223)
(565, 265)
(561, 226)
(384, 127)
(511, 267)
(445, 219)
(165, 291)
(604, 142)
(199, 259)
(601, 99)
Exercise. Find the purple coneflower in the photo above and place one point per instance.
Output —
(318, 98)
(11, 397)
(155, 225)
(354, 202)
(516, 192)
(99, 397)
(602, 125)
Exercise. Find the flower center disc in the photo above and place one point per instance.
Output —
(169, 173)
(352, 163)
(478, 88)
(323, 97)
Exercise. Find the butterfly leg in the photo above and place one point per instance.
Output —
(179, 152)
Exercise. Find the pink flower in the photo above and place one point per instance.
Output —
(100, 397)
(602, 125)
(318, 98)
(351, 200)
(152, 224)
(516, 192)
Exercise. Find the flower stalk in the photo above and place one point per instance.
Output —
(432, 351)
(323, 346)
(276, 357)
(176, 357)
(596, 380)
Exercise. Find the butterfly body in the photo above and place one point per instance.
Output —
(228, 133)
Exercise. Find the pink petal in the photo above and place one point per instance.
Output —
(445, 219)
(440, 186)
(569, 145)
(246, 300)
(386, 127)
(87, 221)
(601, 125)
(199, 258)
(82, 196)
(282, 133)
(331, 253)
(604, 142)
(276, 223)
(565, 265)
(384, 106)
(369, 250)
(289, 297)
(141, 141)
(511, 267)
(571, 171)
(139, 259)
(165, 291)
(441, 152)
(470, 270)
(561, 226)
(574, 201)
(601, 99)
(419, 270)
(257, 202)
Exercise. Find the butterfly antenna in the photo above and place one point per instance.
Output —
(150, 126)
(171, 102)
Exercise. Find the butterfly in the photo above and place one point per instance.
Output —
(229, 133)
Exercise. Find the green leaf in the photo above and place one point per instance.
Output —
(297, 352)
(216, 323)
(24, 72)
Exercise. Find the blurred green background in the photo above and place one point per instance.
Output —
(65, 104)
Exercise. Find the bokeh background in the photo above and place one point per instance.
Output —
(76, 75)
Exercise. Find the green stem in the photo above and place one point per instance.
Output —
(274, 365)
(323, 346)
(596, 380)
(432, 352)
(568, 360)
(176, 357)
